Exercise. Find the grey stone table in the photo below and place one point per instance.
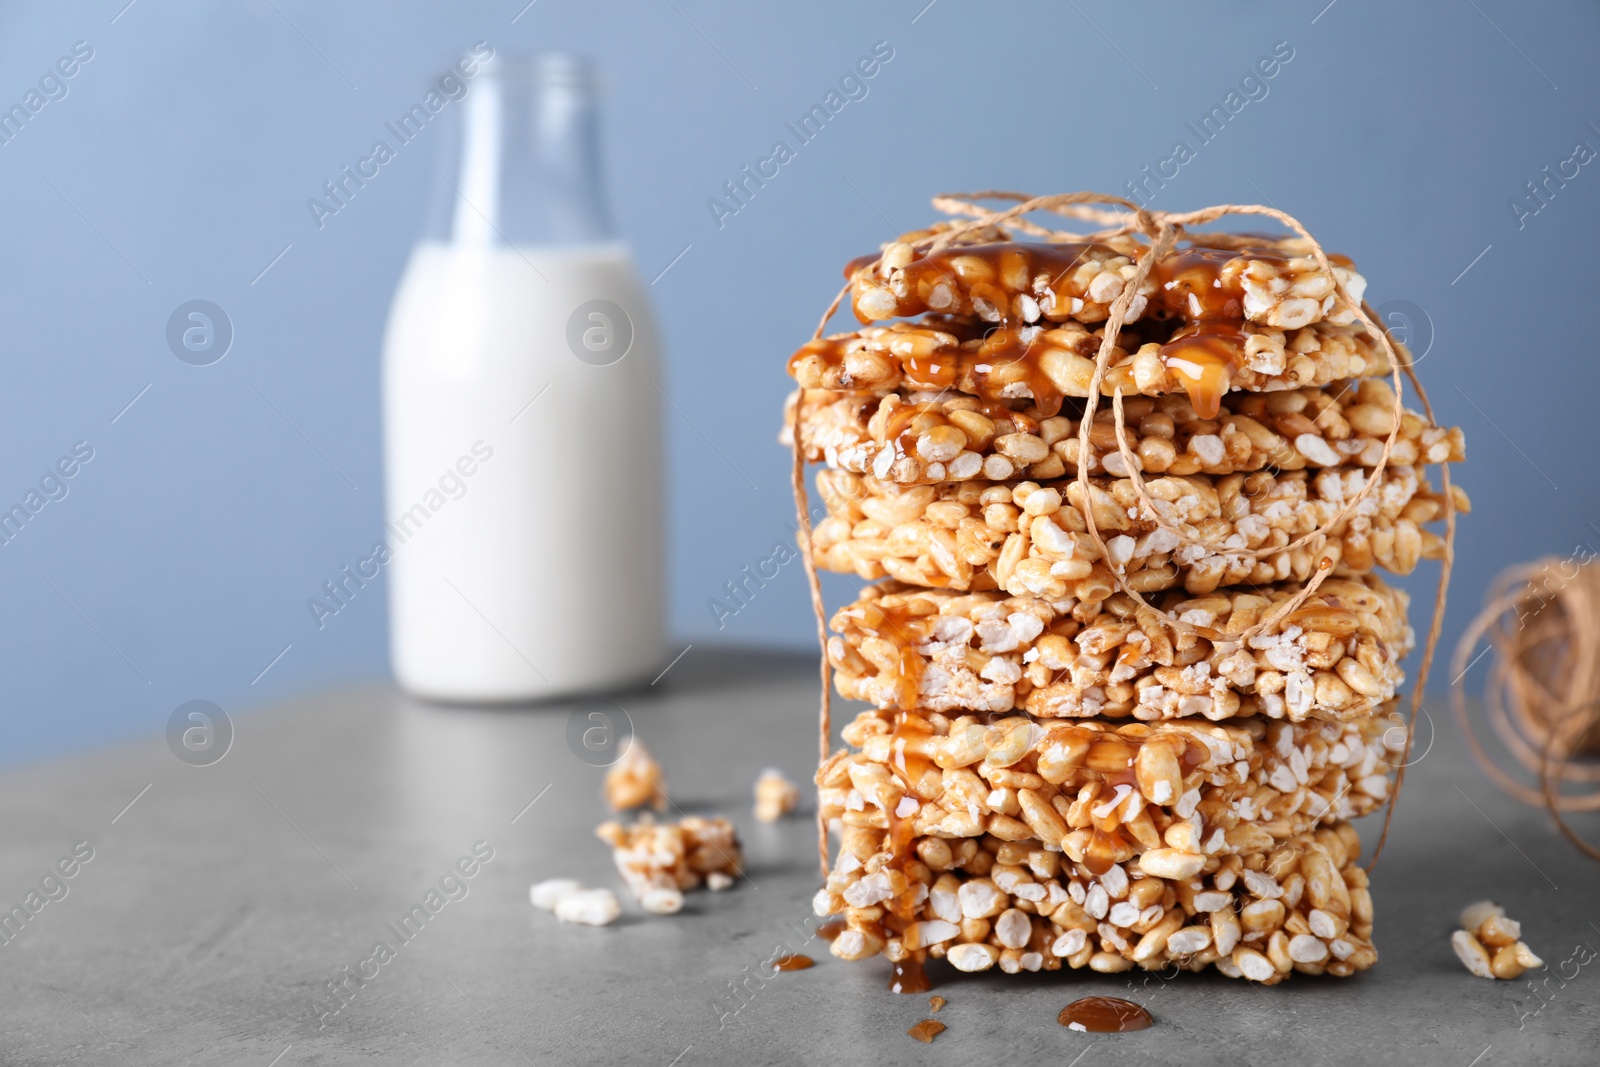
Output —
(221, 901)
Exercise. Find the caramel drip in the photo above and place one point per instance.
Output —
(909, 767)
(909, 683)
(830, 930)
(909, 731)
(935, 1003)
(1104, 1015)
(1101, 855)
(1004, 347)
(938, 370)
(927, 1030)
(792, 963)
(1203, 357)
(909, 977)
(904, 630)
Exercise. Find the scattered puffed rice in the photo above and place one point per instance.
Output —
(1472, 915)
(716, 881)
(1471, 954)
(1489, 945)
(776, 796)
(589, 907)
(635, 780)
(548, 893)
(662, 901)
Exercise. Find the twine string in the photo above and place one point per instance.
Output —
(1542, 697)
(797, 476)
(1441, 595)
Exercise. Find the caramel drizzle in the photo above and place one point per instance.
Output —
(988, 274)
(909, 729)
(909, 977)
(905, 629)
(1200, 285)
(1204, 358)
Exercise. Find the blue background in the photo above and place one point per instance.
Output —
(180, 162)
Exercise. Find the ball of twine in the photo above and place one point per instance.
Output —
(1541, 622)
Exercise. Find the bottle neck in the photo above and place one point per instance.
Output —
(521, 161)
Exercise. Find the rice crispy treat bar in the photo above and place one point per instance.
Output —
(1047, 363)
(1106, 792)
(920, 437)
(1029, 539)
(1033, 281)
(659, 859)
(1337, 657)
(983, 902)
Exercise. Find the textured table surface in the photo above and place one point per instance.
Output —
(218, 907)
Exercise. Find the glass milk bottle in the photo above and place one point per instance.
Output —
(522, 433)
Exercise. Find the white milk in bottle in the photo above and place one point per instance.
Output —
(521, 419)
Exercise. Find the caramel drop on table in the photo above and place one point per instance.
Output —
(927, 1030)
(935, 1003)
(909, 977)
(792, 963)
(1104, 1015)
